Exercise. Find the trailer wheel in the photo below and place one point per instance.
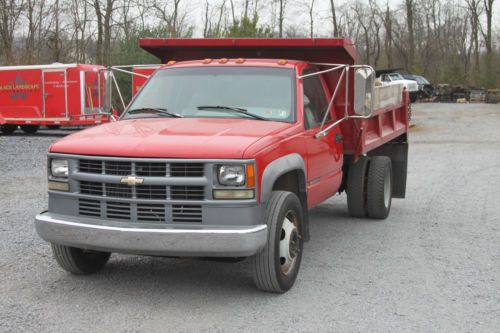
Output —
(79, 261)
(275, 268)
(8, 128)
(53, 127)
(356, 187)
(379, 187)
(30, 129)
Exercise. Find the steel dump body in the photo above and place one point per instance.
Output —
(57, 94)
(360, 136)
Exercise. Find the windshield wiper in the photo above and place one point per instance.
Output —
(157, 110)
(230, 108)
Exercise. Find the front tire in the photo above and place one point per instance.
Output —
(379, 187)
(275, 268)
(79, 261)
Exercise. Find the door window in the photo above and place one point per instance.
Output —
(315, 102)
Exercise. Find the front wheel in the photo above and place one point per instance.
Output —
(275, 268)
(79, 261)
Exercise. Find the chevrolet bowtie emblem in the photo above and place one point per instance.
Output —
(131, 180)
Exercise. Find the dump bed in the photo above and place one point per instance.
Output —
(389, 119)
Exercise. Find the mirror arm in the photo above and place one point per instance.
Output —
(329, 108)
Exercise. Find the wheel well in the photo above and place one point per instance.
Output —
(295, 181)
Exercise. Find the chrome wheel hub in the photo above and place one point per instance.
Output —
(289, 243)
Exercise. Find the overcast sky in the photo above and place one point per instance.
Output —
(297, 14)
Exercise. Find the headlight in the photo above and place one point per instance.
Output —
(59, 168)
(232, 175)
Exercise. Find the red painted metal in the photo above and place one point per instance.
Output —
(52, 95)
(338, 50)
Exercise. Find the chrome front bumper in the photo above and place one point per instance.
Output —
(224, 241)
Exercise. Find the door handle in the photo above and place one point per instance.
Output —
(338, 138)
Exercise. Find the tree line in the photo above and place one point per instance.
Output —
(448, 41)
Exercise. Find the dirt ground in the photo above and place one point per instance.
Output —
(432, 266)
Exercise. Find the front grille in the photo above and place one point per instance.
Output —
(143, 169)
(89, 207)
(117, 168)
(91, 188)
(151, 169)
(107, 198)
(147, 192)
(118, 191)
(186, 213)
(145, 212)
(118, 210)
(187, 192)
(90, 166)
(186, 170)
(150, 213)
(151, 192)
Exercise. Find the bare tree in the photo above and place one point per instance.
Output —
(34, 13)
(410, 8)
(310, 11)
(10, 13)
(334, 19)
(281, 16)
(174, 18)
(474, 8)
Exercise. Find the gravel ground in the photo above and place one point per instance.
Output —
(432, 266)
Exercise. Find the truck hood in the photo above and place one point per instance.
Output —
(169, 138)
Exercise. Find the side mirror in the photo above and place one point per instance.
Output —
(364, 79)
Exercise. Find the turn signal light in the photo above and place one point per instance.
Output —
(171, 62)
(250, 175)
(223, 60)
(207, 61)
(282, 62)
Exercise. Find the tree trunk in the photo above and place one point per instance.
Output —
(411, 35)
(334, 19)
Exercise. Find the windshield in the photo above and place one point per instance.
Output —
(421, 80)
(215, 92)
(396, 76)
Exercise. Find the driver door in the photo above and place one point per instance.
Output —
(324, 155)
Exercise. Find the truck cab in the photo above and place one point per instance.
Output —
(224, 156)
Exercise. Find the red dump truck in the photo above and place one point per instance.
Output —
(222, 153)
(52, 95)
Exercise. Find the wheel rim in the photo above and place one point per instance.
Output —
(387, 190)
(289, 242)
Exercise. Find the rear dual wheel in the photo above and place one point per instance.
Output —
(369, 187)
